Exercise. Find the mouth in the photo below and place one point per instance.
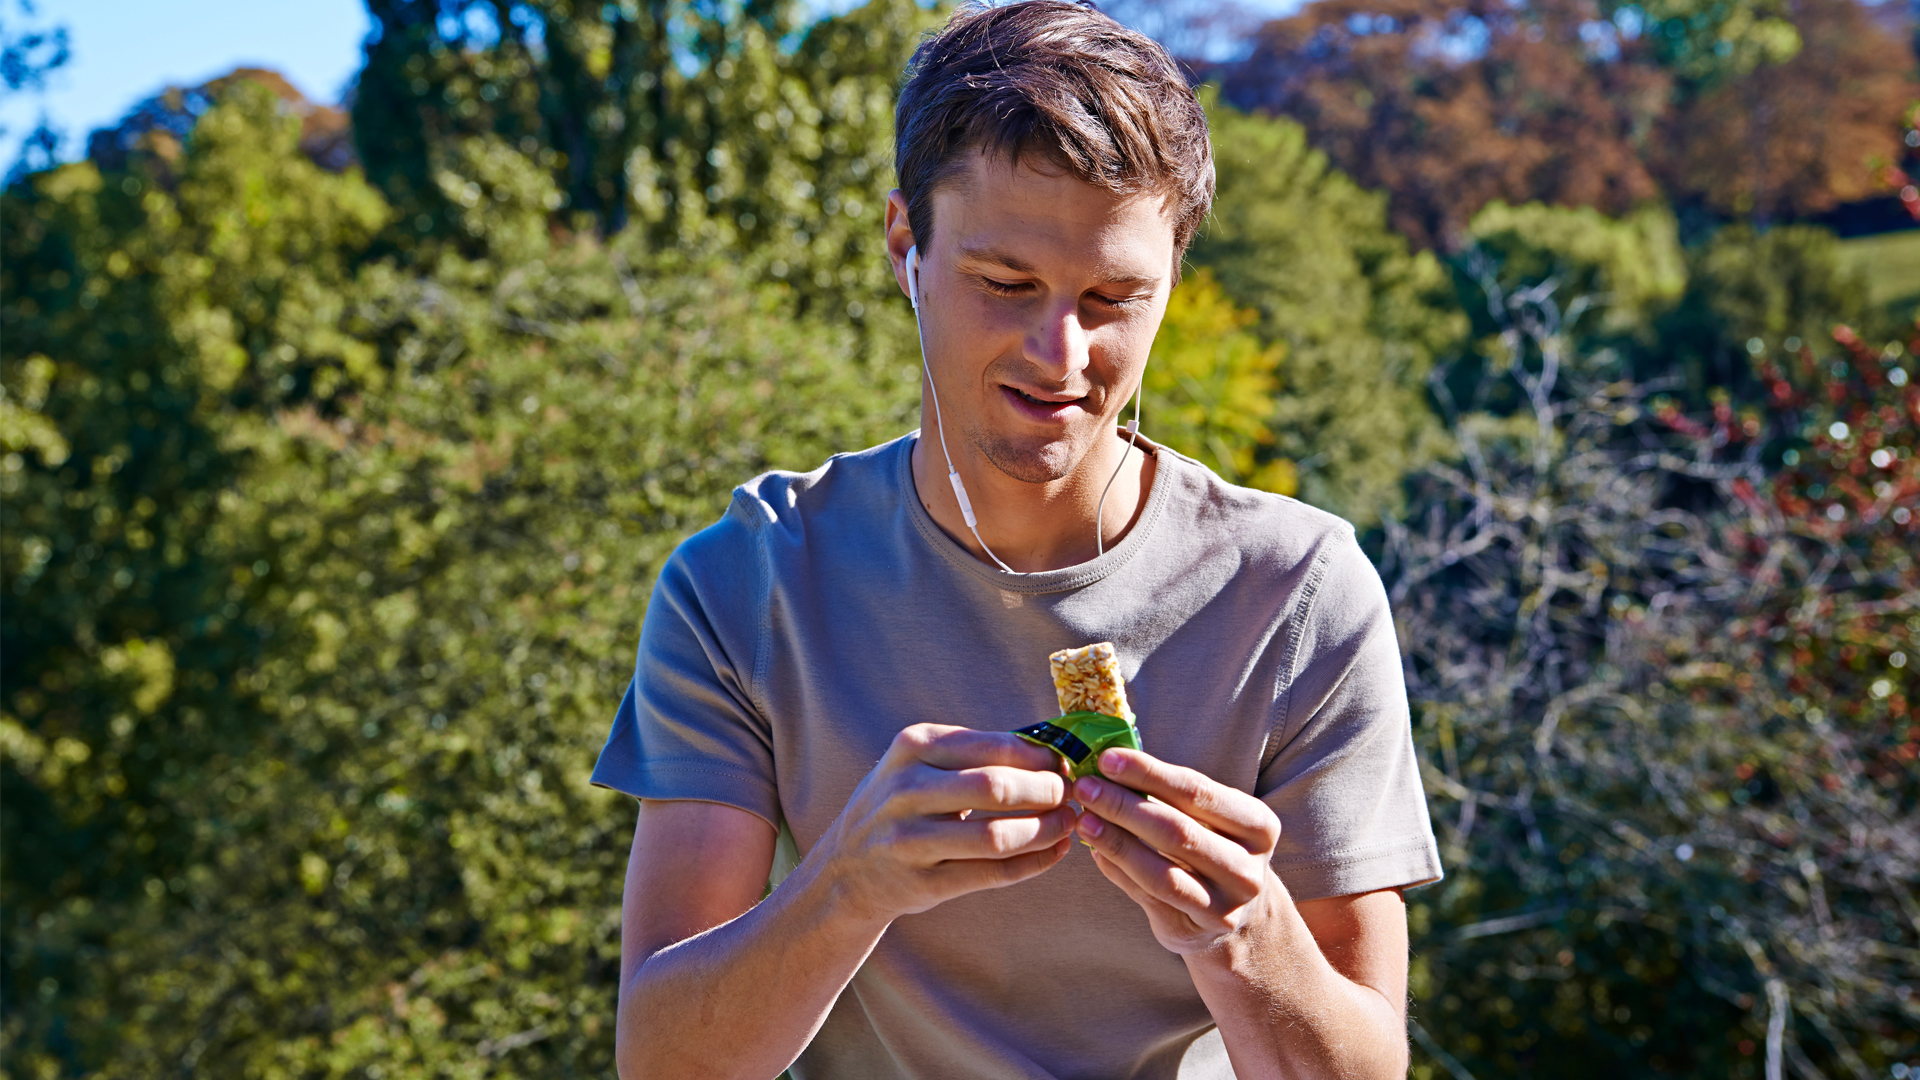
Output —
(1043, 408)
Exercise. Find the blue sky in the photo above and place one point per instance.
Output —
(126, 50)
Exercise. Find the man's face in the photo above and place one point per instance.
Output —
(1039, 298)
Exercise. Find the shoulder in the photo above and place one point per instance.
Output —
(1269, 530)
(781, 505)
(855, 482)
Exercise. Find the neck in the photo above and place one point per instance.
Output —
(1034, 527)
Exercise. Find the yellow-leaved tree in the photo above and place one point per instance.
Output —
(1210, 383)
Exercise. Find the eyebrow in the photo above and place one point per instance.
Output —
(1021, 266)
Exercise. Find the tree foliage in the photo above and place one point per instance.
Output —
(1361, 318)
(28, 55)
(1796, 138)
(134, 319)
(330, 501)
(1450, 106)
(1690, 319)
(290, 734)
(1209, 387)
(715, 126)
(31, 51)
(1661, 699)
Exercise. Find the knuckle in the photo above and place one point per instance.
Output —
(974, 787)
(1189, 843)
(907, 744)
(1207, 802)
(1002, 837)
(1170, 881)
(1195, 787)
(907, 782)
(1269, 831)
(1004, 871)
(996, 787)
(1247, 881)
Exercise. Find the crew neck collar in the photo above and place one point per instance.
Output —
(1044, 581)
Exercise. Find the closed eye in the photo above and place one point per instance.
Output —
(1022, 288)
(1005, 288)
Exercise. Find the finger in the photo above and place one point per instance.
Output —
(1223, 864)
(944, 746)
(959, 876)
(1151, 871)
(943, 839)
(1154, 907)
(927, 790)
(1112, 872)
(1226, 810)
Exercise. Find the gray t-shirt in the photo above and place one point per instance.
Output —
(788, 643)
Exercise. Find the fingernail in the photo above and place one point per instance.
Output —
(1092, 826)
(1111, 761)
(1089, 789)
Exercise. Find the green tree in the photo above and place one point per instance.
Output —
(1361, 317)
(1686, 319)
(1622, 275)
(1751, 292)
(1627, 271)
(701, 125)
(308, 791)
(134, 318)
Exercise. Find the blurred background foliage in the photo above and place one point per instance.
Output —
(341, 447)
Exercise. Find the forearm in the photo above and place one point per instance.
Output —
(1284, 1011)
(744, 998)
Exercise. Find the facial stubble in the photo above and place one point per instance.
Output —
(1023, 460)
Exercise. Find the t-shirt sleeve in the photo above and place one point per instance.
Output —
(1342, 775)
(688, 727)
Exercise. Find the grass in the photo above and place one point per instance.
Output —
(1891, 264)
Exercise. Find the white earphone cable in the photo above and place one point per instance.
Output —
(953, 474)
(1133, 442)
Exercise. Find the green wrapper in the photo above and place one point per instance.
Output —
(1080, 736)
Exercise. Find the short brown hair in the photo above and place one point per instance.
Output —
(1063, 81)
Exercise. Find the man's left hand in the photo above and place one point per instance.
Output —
(1194, 856)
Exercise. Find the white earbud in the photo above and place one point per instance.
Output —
(953, 474)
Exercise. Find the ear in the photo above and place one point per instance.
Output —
(900, 244)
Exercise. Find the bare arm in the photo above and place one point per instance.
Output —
(698, 957)
(1319, 990)
(1315, 989)
(714, 985)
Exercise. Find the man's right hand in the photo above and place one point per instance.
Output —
(947, 811)
(715, 984)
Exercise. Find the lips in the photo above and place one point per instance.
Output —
(1040, 408)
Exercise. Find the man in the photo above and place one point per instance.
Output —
(1239, 913)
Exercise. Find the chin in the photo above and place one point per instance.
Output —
(1032, 462)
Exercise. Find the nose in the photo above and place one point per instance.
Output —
(1057, 341)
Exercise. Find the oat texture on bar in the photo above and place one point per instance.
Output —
(1088, 680)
